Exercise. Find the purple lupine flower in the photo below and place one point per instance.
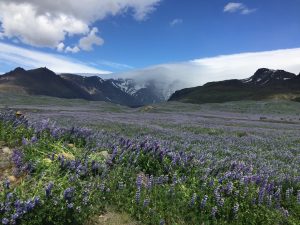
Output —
(29, 205)
(24, 141)
(261, 195)
(288, 193)
(269, 201)
(69, 193)
(6, 184)
(150, 182)
(15, 216)
(5, 221)
(193, 199)
(9, 196)
(298, 196)
(236, 209)
(36, 200)
(221, 202)
(70, 205)
(162, 222)
(102, 187)
(175, 179)
(139, 181)
(34, 139)
(146, 202)
(203, 202)
(48, 189)
(85, 200)
(138, 195)
(229, 187)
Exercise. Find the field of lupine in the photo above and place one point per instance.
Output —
(232, 163)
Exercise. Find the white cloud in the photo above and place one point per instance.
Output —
(60, 47)
(86, 43)
(176, 22)
(47, 23)
(200, 71)
(114, 65)
(17, 56)
(233, 7)
(75, 49)
(47, 30)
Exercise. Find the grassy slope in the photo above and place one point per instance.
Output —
(219, 94)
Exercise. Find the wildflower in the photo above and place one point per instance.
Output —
(34, 139)
(261, 195)
(269, 200)
(9, 196)
(36, 200)
(138, 195)
(48, 189)
(203, 202)
(193, 199)
(6, 184)
(298, 196)
(236, 209)
(162, 222)
(221, 202)
(139, 181)
(5, 221)
(150, 182)
(24, 141)
(146, 202)
(70, 206)
(68, 194)
(229, 188)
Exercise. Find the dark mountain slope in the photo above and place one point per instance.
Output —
(40, 82)
(103, 90)
(43, 81)
(264, 84)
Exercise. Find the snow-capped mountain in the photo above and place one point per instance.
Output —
(43, 81)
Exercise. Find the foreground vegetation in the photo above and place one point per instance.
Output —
(68, 175)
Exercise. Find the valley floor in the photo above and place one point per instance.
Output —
(257, 143)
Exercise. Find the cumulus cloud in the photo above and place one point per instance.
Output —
(75, 49)
(47, 23)
(60, 47)
(46, 30)
(176, 22)
(237, 7)
(200, 71)
(17, 56)
(86, 43)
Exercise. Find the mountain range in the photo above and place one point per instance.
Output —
(263, 85)
(43, 81)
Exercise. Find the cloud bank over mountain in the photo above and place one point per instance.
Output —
(200, 71)
(169, 77)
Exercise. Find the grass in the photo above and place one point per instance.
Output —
(155, 166)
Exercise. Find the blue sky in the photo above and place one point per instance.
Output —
(142, 33)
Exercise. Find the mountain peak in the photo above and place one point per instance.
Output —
(264, 76)
(43, 69)
(18, 70)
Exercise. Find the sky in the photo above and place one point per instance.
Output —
(206, 40)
